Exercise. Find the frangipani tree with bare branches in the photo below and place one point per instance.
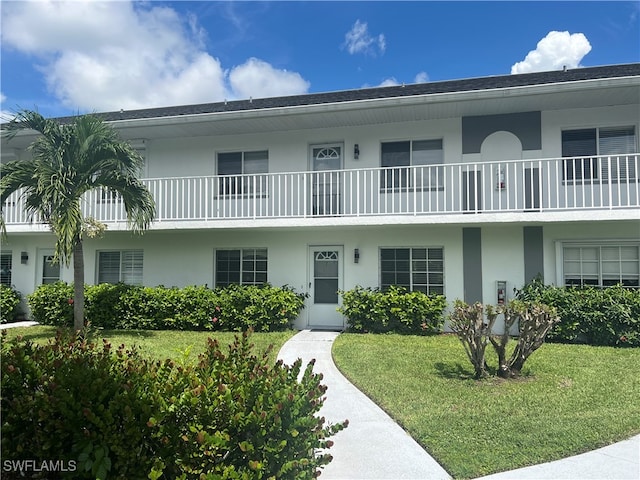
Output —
(473, 324)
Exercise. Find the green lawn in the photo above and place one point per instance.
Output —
(162, 344)
(571, 399)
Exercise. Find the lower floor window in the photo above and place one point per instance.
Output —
(416, 269)
(120, 266)
(601, 265)
(5, 269)
(247, 266)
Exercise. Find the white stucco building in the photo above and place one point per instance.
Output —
(446, 187)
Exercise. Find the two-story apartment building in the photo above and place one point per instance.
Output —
(468, 188)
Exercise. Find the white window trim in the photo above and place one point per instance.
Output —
(411, 247)
(9, 254)
(120, 251)
(560, 244)
(246, 189)
(601, 168)
(215, 260)
(434, 169)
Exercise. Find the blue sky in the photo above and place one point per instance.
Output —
(82, 56)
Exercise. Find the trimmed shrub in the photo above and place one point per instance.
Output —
(102, 304)
(235, 308)
(596, 316)
(394, 310)
(52, 304)
(117, 414)
(262, 308)
(9, 301)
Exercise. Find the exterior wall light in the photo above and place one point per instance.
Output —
(356, 255)
(24, 258)
(356, 151)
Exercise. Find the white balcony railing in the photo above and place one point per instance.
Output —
(559, 184)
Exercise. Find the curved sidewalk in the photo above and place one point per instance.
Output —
(373, 446)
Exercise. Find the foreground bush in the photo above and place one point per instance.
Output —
(596, 316)
(394, 310)
(235, 308)
(9, 301)
(116, 414)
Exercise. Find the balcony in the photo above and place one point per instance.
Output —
(437, 193)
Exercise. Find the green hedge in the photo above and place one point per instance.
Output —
(596, 316)
(235, 308)
(9, 301)
(394, 310)
(102, 414)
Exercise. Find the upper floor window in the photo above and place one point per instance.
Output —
(5, 269)
(120, 266)
(425, 156)
(242, 170)
(601, 265)
(416, 269)
(600, 153)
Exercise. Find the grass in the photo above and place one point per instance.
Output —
(570, 399)
(162, 344)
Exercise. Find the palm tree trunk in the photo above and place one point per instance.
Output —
(78, 286)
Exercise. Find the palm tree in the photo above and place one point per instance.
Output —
(69, 159)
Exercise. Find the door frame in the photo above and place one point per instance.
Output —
(312, 310)
(41, 252)
(311, 169)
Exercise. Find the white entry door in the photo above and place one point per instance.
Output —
(325, 280)
(326, 162)
(47, 271)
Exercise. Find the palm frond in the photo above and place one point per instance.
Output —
(69, 160)
(136, 198)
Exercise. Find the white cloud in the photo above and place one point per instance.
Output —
(258, 78)
(555, 51)
(98, 56)
(359, 40)
(5, 115)
(421, 77)
(389, 82)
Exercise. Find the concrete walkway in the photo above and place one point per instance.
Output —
(373, 446)
(620, 461)
(26, 323)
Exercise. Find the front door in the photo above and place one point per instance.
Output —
(48, 272)
(326, 161)
(325, 280)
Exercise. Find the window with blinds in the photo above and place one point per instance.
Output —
(600, 153)
(601, 265)
(617, 144)
(120, 266)
(5, 269)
